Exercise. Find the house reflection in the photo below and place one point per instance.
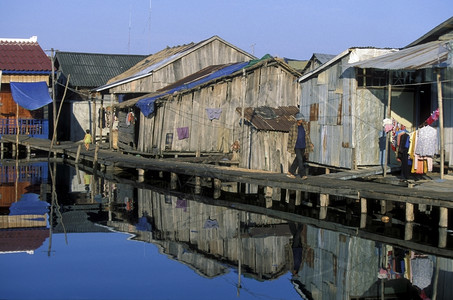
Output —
(215, 236)
(23, 218)
(211, 238)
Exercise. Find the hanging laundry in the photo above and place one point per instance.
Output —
(209, 223)
(434, 117)
(388, 125)
(183, 132)
(214, 113)
(130, 118)
(426, 141)
(181, 203)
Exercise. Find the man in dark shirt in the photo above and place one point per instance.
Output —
(299, 143)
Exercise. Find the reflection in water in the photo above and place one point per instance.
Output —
(216, 238)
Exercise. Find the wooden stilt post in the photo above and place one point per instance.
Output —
(197, 185)
(298, 198)
(383, 207)
(363, 206)
(363, 218)
(443, 217)
(409, 212)
(141, 175)
(173, 181)
(322, 212)
(324, 200)
(28, 151)
(95, 161)
(78, 153)
(408, 231)
(442, 237)
(268, 191)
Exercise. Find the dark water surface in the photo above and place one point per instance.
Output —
(80, 236)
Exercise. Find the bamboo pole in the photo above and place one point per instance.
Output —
(54, 135)
(389, 114)
(17, 131)
(441, 124)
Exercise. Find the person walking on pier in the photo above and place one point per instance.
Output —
(87, 139)
(299, 143)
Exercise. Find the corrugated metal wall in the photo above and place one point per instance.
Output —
(345, 123)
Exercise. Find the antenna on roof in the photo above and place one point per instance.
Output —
(149, 26)
(129, 40)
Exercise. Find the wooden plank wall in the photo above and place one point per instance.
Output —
(265, 86)
(214, 53)
(184, 221)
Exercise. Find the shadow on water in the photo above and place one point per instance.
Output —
(228, 238)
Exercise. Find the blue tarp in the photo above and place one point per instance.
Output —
(30, 95)
(146, 105)
(29, 204)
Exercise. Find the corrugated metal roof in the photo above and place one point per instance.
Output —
(189, 79)
(22, 57)
(93, 69)
(158, 60)
(418, 57)
(323, 58)
(270, 118)
(434, 34)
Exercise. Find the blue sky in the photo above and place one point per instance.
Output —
(284, 28)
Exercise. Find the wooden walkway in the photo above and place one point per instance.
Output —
(330, 184)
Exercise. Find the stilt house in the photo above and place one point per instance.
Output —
(203, 114)
(24, 94)
(347, 98)
(82, 72)
(160, 70)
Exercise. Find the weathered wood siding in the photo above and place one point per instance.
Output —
(268, 85)
(266, 255)
(345, 123)
(213, 53)
(447, 93)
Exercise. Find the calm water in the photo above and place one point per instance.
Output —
(81, 236)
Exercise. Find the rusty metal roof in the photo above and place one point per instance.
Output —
(23, 57)
(418, 57)
(270, 118)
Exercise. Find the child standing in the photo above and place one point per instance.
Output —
(87, 139)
